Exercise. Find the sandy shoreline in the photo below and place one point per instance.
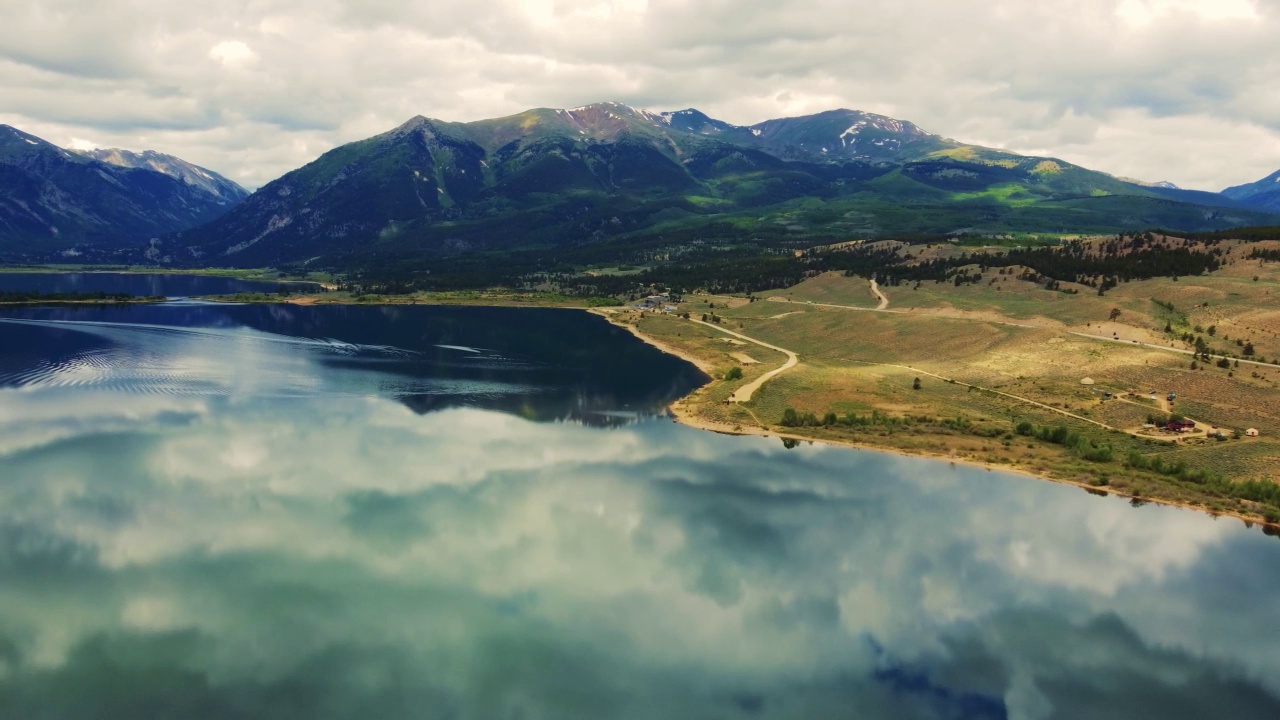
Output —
(701, 364)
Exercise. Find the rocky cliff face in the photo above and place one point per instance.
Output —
(194, 175)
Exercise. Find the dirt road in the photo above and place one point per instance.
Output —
(744, 393)
(884, 299)
(1161, 347)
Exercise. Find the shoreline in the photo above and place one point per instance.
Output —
(697, 362)
(681, 413)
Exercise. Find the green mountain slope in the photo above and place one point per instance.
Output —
(611, 174)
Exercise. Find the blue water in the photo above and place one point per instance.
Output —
(339, 512)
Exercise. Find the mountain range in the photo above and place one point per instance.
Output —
(611, 174)
(63, 203)
(1264, 193)
(605, 175)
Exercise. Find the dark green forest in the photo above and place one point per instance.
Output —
(704, 264)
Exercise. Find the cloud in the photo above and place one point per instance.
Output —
(256, 90)
(232, 53)
(1144, 12)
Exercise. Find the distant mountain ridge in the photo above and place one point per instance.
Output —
(207, 180)
(53, 200)
(1263, 194)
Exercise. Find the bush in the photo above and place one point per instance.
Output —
(1073, 441)
(791, 418)
(735, 373)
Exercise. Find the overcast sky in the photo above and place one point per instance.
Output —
(1179, 90)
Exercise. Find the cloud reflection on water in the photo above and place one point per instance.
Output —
(327, 555)
(529, 362)
(322, 555)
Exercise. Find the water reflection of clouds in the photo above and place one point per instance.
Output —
(213, 350)
(239, 361)
(345, 552)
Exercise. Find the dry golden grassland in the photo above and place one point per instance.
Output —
(1231, 299)
(1012, 341)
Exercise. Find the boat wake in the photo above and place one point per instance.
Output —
(150, 359)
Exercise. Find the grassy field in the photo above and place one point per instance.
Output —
(1241, 302)
(999, 367)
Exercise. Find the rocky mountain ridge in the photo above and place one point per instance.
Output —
(175, 167)
(58, 203)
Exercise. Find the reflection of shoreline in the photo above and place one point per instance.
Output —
(685, 415)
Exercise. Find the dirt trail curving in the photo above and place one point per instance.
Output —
(884, 299)
(744, 393)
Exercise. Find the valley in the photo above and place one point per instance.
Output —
(866, 281)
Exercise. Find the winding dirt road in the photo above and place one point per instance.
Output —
(884, 299)
(744, 393)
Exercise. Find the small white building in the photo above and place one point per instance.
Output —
(1251, 432)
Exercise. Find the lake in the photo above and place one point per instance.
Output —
(140, 284)
(268, 511)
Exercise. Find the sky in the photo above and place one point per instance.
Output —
(1176, 90)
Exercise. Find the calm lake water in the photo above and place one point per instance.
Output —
(139, 284)
(409, 512)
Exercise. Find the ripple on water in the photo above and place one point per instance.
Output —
(151, 359)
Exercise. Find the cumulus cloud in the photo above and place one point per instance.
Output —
(256, 90)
